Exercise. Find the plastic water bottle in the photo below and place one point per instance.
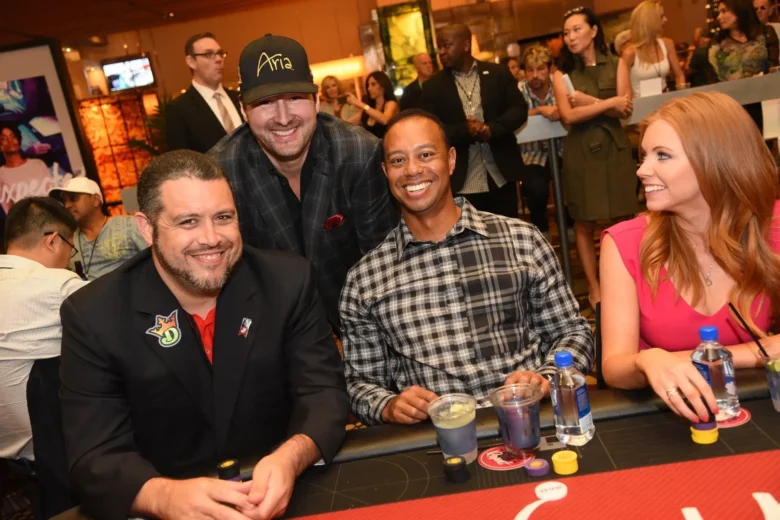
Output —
(716, 366)
(573, 420)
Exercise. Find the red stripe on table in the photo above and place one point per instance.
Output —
(720, 488)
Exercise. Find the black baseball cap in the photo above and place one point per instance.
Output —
(273, 65)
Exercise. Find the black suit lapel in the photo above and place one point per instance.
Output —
(205, 114)
(485, 88)
(317, 199)
(239, 317)
(236, 102)
(451, 90)
(163, 325)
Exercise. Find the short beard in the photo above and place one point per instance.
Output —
(187, 277)
(269, 149)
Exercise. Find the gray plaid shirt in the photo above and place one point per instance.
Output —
(481, 162)
(458, 315)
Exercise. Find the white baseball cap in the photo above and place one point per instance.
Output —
(78, 185)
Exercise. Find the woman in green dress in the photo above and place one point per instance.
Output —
(599, 173)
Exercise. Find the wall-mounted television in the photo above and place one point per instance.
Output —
(128, 72)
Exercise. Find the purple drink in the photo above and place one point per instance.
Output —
(454, 417)
(517, 408)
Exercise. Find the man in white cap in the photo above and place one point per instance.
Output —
(104, 242)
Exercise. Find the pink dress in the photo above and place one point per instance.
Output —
(668, 322)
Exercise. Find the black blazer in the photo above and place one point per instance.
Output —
(136, 405)
(412, 96)
(505, 111)
(190, 123)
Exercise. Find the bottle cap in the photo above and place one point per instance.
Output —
(228, 470)
(708, 333)
(563, 359)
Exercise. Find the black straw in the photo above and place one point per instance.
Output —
(750, 331)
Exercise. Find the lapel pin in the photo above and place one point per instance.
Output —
(245, 324)
(166, 329)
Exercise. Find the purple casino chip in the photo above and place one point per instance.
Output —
(537, 468)
(702, 427)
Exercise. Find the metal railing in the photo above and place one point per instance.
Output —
(538, 128)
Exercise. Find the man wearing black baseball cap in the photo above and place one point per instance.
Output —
(304, 182)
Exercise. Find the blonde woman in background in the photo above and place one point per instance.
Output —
(330, 103)
(650, 55)
(622, 40)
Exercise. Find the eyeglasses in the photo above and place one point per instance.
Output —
(762, 8)
(72, 253)
(211, 54)
(574, 11)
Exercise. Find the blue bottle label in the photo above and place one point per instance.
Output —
(704, 370)
(583, 408)
(583, 403)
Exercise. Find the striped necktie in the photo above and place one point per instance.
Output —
(227, 122)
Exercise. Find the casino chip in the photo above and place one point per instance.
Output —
(455, 469)
(704, 436)
(229, 470)
(565, 462)
(537, 468)
(705, 426)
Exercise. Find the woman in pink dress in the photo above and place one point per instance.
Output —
(711, 236)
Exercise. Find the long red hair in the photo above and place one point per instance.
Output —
(738, 179)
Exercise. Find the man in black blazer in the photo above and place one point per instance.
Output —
(412, 96)
(305, 182)
(481, 108)
(196, 351)
(206, 112)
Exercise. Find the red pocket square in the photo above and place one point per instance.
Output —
(334, 221)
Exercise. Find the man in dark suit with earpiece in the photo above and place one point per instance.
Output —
(481, 108)
(206, 112)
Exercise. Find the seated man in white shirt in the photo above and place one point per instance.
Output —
(33, 284)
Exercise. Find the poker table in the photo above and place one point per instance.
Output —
(642, 463)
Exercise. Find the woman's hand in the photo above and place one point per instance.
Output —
(673, 377)
(623, 105)
(353, 100)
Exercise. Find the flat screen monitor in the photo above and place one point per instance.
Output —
(128, 72)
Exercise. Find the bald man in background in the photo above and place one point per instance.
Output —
(412, 96)
(481, 107)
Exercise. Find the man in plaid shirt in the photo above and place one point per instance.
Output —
(454, 299)
(538, 93)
